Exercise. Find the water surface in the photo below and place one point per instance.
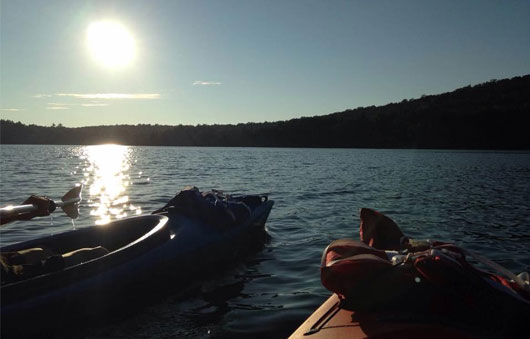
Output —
(480, 200)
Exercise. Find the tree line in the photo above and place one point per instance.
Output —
(491, 115)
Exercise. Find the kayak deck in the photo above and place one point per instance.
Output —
(332, 320)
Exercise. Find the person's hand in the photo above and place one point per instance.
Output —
(44, 205)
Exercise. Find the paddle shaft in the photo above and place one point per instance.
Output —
(41, 206)
(21, 209)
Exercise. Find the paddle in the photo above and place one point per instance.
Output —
(42, 206)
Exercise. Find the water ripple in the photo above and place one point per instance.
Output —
(480, 200)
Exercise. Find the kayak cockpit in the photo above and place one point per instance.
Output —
(123, 238)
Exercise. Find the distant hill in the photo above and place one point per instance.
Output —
(492, 115)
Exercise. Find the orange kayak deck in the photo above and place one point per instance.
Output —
(331, 320)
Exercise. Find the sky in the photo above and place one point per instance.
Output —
(229, 62)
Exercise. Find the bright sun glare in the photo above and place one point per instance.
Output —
(107, 174)
(110, 43)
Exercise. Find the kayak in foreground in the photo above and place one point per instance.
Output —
(334, 319)
(387, 285)
(89, 271)
(49, 277)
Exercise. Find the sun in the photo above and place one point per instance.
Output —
(110, 44)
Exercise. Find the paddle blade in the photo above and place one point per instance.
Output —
(73, 194)
(71, 210)
(71, 202)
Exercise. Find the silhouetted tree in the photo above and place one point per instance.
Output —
(491, 115)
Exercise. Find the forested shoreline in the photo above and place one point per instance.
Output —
(491, 115)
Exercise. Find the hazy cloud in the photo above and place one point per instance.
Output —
(206, 83)
(93, 105)
(105, 96)
(111, 95)
(60, 104)
(57, 107)
(11, 109)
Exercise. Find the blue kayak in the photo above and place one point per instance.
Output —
(88, 271)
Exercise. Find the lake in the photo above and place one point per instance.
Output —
(479, 200)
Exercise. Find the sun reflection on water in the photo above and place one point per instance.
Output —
(106, 175)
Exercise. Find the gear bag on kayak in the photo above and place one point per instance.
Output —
(386, 270)
(213, 207)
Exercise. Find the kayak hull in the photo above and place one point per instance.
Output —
(333, 320)
(53, 296)
(187, 249)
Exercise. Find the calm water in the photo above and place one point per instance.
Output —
(479, 200)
